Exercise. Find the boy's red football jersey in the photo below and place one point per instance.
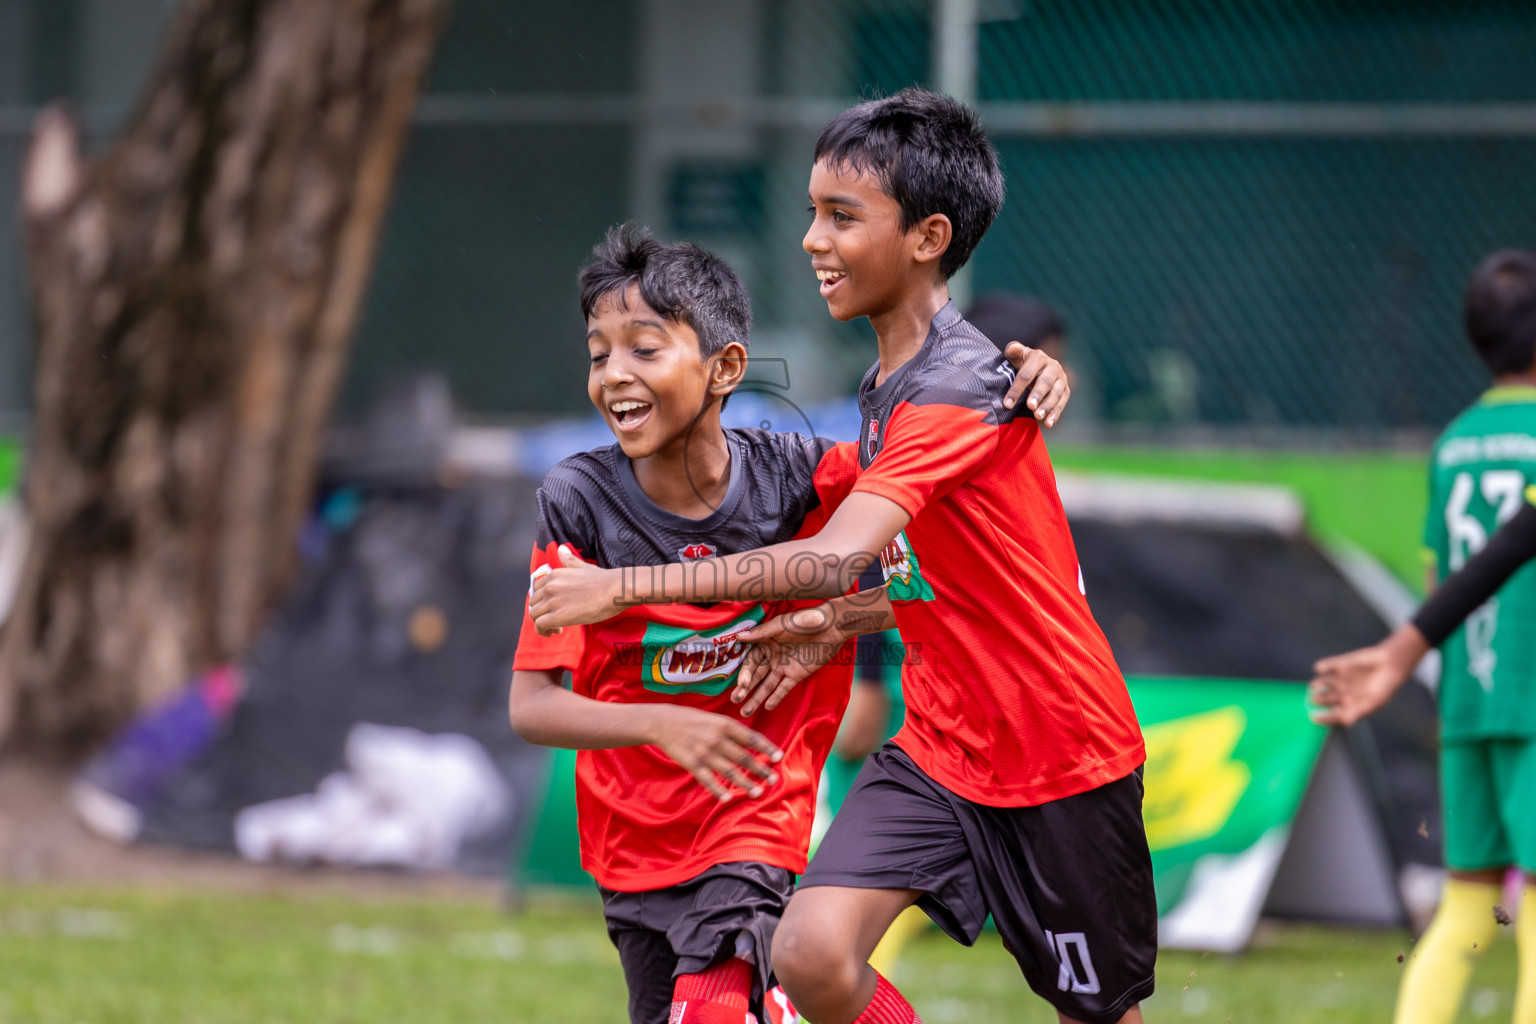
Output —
(645, 822)
(1013, 697)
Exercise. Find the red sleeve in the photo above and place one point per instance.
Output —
(535, 652)
(835, 476)
(928, 451)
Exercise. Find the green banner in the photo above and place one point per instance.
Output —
(1227, 764)
(550, 851)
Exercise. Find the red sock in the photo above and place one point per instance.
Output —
(887, 1007)
(777, 1009)
(717, 996)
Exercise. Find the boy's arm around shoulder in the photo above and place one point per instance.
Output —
(929, 450)
(822, 566)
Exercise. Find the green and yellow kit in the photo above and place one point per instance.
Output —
(1482, 470)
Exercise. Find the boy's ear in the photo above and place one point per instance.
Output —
(727, 368)
(933, 234)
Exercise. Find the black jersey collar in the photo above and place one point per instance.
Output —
(643, 504)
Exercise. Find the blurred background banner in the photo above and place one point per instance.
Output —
(1227, 763)
(1253, 216)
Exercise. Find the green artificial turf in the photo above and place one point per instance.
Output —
(1376, 500)
(113, 956)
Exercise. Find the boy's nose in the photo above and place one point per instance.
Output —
(815, 241)
(616, 371)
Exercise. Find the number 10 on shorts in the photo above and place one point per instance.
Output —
(1077, 973)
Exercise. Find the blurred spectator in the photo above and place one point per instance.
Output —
(1009, 316)
(1005, 317)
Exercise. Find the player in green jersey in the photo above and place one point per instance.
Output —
(1480, 473)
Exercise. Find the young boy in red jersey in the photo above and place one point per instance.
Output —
(692, 823)
(1014, 787)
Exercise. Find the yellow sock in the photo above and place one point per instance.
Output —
(1441, 964)
(1525, 940)
(907, 924)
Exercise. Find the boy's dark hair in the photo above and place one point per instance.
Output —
(931, 155)
(1500, 308)
(680, 281)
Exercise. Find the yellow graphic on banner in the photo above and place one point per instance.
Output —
(1192, 782)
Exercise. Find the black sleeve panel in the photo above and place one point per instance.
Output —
(1463, 591)
(565, 513)
(798, 457)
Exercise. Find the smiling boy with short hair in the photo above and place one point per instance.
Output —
(693, 824)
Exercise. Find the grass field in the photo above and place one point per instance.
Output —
(115, 956)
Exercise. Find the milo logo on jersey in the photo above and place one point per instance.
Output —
(903, 576)
(680, 660)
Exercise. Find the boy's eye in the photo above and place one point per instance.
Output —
(645, 351)
(599, 358)
(841, 217)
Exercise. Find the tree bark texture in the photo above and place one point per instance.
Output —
(194, 291)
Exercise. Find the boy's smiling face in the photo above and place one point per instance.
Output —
(863, 258)
(648, 376)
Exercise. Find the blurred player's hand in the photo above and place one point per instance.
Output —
(724, 755)
(1347, 687)
(785, 650)
(1043, 378)
(576, 594)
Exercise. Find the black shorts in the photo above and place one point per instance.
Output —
(1069, 883)
(662, 934)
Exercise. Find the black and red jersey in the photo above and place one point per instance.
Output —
(1013, 697)
(646, 823)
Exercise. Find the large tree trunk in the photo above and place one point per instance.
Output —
(194, 291)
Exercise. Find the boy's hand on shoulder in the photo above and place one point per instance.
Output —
(785, 651)
(724, 755)
(1042, 378)
(576, 594)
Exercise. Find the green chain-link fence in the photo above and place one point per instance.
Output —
(1250, 212)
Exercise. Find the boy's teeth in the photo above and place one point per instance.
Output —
(829, 275)
(628, 406)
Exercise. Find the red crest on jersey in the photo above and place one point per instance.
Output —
(694, 552)
(874, 435)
